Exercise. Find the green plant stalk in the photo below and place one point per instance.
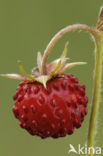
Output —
(96, 91)
(98, 39)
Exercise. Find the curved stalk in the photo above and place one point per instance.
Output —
(59, 35)
(96, 91)
(98, 39)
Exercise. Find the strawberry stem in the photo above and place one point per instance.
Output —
(97, 83)
(97, 33)
(58, 36)
(96, 91)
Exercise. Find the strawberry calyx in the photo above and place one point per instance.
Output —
(54, 69)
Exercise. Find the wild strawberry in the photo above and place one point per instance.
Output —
(50, 105)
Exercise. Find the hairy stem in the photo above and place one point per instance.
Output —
(59, 35)
(98, 39)
(96, 91)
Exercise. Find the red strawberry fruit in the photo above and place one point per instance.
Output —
(50, 105)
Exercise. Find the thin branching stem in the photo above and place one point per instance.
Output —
(98, 39)
(59, 35)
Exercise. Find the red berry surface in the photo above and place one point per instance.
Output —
(53, 111)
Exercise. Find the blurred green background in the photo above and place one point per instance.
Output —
(26, 26)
